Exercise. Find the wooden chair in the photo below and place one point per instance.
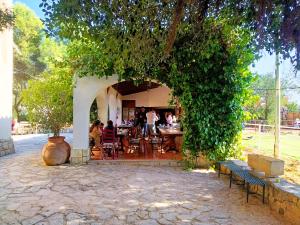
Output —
(156, 143)
(134, 145)
(109, 144)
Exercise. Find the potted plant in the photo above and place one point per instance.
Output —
(48, 101)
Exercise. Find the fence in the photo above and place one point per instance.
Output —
(24, 127)
(261, 138)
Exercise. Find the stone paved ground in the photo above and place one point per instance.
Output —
(31, 193)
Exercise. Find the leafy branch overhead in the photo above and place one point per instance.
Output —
(6, 19)
(200, 49)
(143, 25)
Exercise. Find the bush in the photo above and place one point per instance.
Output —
(49, 100)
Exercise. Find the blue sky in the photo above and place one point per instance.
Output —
(265, 65)
(34, 5)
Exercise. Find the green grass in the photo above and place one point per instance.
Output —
(264, 143)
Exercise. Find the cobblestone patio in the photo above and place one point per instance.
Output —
(31, 193)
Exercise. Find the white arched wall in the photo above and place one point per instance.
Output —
(85, 91)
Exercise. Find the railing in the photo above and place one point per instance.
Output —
(260, 139)
(26, 128)
(270, 128)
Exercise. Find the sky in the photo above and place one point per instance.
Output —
(265, 65)
(34, 5)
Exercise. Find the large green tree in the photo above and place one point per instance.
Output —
(27, 38)
(141, 24)
(264, 87)
(200, 49)
(33, 52)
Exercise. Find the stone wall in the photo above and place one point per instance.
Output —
(6, 147)
(79, 156)
(282, 196)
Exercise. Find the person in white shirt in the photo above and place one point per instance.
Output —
(151, 119)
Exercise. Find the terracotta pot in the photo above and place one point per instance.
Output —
(68, 147)
(56, 151)
(98, 154)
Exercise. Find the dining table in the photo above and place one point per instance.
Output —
(170, 134)
(125, 126)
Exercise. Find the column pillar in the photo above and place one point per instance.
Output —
(80, 153)
(6, 85)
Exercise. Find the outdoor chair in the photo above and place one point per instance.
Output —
(156, 143)
(134, 145)
(109, 144)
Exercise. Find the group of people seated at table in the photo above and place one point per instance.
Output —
(145, 125)
(100, 135)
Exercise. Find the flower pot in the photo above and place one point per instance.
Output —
(56, 151)
(98, 154)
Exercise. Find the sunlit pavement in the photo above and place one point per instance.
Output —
(32, 193)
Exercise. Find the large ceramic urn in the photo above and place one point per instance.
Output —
(56, 151)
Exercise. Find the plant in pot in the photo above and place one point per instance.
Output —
(48, 101)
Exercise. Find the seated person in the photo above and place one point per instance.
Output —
(95, 133)
(101, 127)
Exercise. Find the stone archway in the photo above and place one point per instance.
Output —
(85, 91)
(103, 89)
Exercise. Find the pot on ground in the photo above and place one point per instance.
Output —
(56, 151)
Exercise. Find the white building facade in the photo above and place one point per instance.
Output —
(6, 85)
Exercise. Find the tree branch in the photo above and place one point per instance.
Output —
(178, 12)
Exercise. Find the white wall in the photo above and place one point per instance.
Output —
(85, 91)
(6, 79)
(156, 97)
(113, 100)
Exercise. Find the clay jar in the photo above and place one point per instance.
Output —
(56, 151)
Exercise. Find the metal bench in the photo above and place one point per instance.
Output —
(244, 175)
(224, 163)
(252, 180)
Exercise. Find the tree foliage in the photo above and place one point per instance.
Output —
(27, 38)
(264, 87)
(209, 76)
(33, 52)
(6, 18)
(49, 99)
(200, 49)
(140, 24)
(293, 107)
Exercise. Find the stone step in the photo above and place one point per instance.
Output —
(170, 163)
